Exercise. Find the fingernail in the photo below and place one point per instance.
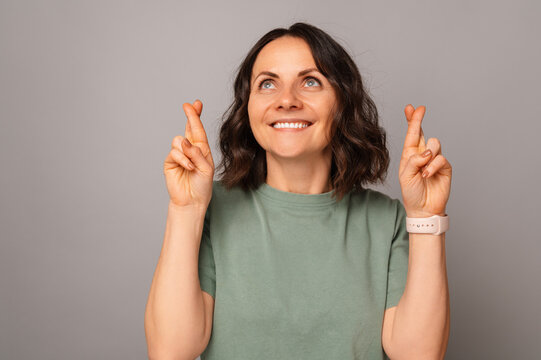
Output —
(425, 173)
(426, 153)
(187, 142)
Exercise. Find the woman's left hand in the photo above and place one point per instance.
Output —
(423, 196)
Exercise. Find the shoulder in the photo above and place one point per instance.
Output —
(379, 209)
(221, 191)
(224, 199)
(376, 201)
(382, 212)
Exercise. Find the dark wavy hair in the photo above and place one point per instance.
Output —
(358, 143)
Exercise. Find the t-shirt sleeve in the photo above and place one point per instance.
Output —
(398, 259)
(207, 270)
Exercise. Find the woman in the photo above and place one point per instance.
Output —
(288, 255)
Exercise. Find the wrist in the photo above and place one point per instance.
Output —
(435, 224)
(423, 214)
(186, 209)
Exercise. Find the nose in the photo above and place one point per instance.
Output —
(287, 99)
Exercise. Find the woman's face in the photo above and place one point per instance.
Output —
(286, 87)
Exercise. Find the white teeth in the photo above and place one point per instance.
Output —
(289, 125)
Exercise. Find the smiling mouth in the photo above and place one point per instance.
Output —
(296, 125)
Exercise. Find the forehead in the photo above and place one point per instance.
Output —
(283, 55)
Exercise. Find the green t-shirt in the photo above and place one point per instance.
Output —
(301, 276)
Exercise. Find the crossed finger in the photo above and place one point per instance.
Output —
(415, 139)
(435, 146)
(198, 106)
(438, 164)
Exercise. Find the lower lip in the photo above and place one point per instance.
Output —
(291, 129)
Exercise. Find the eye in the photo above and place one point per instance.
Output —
(262, 84)
(312, 80)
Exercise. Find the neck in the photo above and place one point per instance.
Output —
(307, 175)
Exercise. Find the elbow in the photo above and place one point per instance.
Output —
(427, 355)
(177, 350)
(163, 354)
(180, 350)
(180, 345)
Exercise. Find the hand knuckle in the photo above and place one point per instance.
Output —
(205, 149)
(175, 155)
(176, 141)
(176, 149)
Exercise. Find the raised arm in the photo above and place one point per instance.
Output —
(178, 315)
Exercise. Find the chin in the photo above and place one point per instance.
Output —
(289, 154)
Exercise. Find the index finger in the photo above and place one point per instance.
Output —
(198, 133)
(414, 137)
(198, 106)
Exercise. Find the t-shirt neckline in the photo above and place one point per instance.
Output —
(296, 199)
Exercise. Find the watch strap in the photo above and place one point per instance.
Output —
(435, 225)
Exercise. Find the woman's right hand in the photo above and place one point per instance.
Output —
(189, 169)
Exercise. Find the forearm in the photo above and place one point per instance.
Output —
(174, 316)
(421, 323)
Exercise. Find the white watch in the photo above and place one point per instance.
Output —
(434, 225)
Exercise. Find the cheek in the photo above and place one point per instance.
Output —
(254, 118)
(254, 109)
(324, 109)
(327, 112)
(321, 102)
(250, 106)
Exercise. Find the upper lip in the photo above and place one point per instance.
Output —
(290, 120)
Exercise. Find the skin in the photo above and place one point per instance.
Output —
(423, 196)
(300, 161)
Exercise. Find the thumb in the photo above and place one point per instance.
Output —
(416, 162)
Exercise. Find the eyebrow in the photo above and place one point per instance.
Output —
(301, 73)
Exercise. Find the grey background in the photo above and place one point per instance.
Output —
(91, 95)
